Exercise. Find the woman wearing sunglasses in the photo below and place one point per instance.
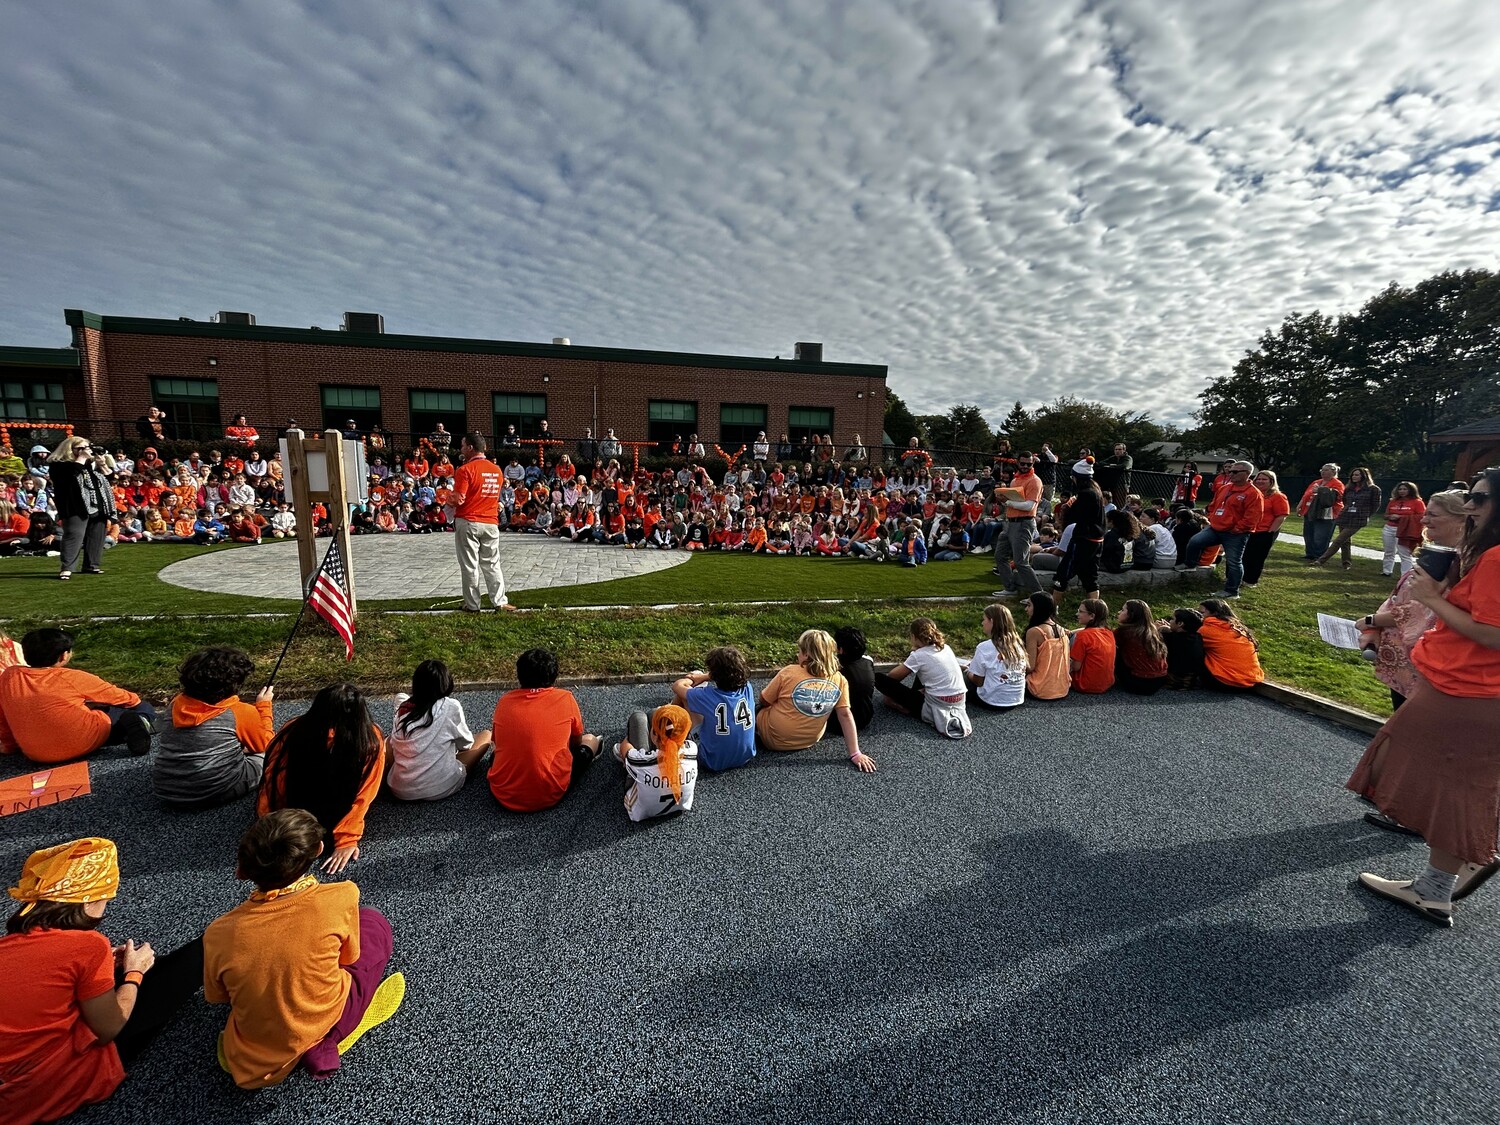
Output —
(1435, 765)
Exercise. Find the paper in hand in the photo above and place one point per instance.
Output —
(1338, 632)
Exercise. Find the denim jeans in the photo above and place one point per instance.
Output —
(1316, 535)
(1233, 544)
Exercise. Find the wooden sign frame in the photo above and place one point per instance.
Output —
(335, 499)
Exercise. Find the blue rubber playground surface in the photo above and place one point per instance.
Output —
(1105, 910)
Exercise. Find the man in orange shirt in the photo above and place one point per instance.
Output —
(475, 508)
(1234, 513)
(1013, 543)
(541, 748)
(53, 713)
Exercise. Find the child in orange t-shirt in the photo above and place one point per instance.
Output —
(53, 713)
(1091, 652)
(300, 963)
(1231, 660)
(328, 761)
(541, 748)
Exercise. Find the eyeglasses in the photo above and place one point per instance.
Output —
(1480, 498)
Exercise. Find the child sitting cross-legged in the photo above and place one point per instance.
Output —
(299, 963)
(723, 702)
(541, 748)
(432, 748)
(214, 750)
(660, 762)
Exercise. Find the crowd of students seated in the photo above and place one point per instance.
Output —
(300, 963)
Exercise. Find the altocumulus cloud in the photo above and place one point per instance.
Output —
(1001, 200)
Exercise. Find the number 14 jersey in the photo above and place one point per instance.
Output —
(726, 736)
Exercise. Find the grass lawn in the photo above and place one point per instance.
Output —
(144, 654)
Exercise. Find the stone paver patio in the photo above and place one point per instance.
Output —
(388, 567)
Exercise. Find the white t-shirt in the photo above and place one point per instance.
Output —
(1166, 547)
(649, 794)
(425, 763)
(938, 671)
(1003, 686)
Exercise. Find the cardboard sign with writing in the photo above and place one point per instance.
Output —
(46, 787)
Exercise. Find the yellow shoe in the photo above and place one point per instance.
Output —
(382, 1007)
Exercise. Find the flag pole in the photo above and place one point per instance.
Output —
(306, 597)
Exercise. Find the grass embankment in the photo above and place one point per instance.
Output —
(144, 653)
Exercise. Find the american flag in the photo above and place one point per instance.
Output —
(329, 599)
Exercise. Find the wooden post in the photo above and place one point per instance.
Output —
(335, 498)
(296, 471)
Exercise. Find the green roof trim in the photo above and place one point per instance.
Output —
(38, 357)
(333, 338)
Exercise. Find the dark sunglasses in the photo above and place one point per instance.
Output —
(1480, 498)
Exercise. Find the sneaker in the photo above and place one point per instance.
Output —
(1182, 566)
(1472, 876)
(1399, 890)
(1390, 824)
(1003, 594)
(1224, 595)
(138, 736)
(1248, 585)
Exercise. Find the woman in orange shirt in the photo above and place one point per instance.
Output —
(1435, 765)
(328, 761)
(1402, 533)
(1273, 514)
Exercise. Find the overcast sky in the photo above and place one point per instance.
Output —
(1000, 200)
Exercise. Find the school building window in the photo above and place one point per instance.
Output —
(804, 421)
(739, 425)
(42, 401)
(428, 408)
(667, 421)
(191, 406)
(525, 412)
(362, 404)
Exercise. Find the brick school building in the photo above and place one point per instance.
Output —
(204, 373)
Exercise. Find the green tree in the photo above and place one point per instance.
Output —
(963, 427)
(900, 423)
(1071, 424)
(1279, 405)
(1017, 419)
(1418, 360)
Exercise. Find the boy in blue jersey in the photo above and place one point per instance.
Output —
(722, 701)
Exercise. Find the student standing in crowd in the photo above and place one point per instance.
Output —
(1233, 514)
(1321, 503)
(1402, 533)
(1361, 502)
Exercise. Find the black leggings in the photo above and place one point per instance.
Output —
(911, 698)
(1138, 685)
(1257, 550)
(169, 985)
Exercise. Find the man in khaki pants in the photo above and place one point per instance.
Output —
(476, 524)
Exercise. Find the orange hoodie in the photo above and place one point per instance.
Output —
(1229, 655)
(252, 721)
(351, 828)
(45, 713)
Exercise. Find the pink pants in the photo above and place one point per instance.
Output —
(375, 944)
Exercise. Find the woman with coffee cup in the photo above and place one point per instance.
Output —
(1435, 765)
(1390, 633)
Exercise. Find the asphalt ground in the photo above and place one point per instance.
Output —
(1108, 910)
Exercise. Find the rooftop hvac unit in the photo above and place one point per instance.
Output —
(563, 340)
(809, 352)
(366, 324)
(242, 318)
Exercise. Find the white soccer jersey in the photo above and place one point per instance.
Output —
(649, 794)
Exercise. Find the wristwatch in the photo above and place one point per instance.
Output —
(1370, 620)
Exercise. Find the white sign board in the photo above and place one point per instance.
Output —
(356, 473)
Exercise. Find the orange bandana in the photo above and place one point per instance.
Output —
(281, 892)
(669, 727)
(81, 871)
